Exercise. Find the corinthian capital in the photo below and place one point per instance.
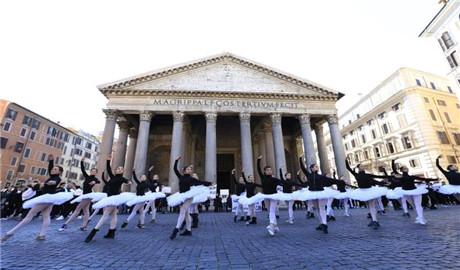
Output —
(211, 116)
(276, 118)
(123, 123)
(245, 116)
(332, 119)
(178, 116)
(110, 114)
(304, 119)
(145, 116)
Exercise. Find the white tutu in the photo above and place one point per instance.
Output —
(419, 190)
(202, 197)
(393, 195)
(254, 199)
(319, 195)
(279, 196)
(367, 194)
(114, 200)
(178, 198)
(149, 196)
(93, 196)
(299, 195)
(343, 195)
(55, 199)
(450, 189)
(152, 196)
(235, 197)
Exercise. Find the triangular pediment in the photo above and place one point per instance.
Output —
(221, 73)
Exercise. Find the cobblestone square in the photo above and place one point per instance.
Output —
(221, 244)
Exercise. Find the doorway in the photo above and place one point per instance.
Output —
(225, 165)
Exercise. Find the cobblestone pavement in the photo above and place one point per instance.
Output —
(220, 244)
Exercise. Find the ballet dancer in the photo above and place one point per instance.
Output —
(84, 201)
(153, 185)
(318, 192)
(185, 197)
(44, 203)
(110, 203)
(250, 187)
(453, 177)
(368, 191)
(411, 192)
(288, 185)
(138, 202)
(239, 190)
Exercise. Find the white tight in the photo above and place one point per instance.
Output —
(137, 208)
(251, 210)
(329, 210)
(239, 210)
(272, 214)
(108, 211)
(45, 209)
(379, 204)
(291, 210)
(82, 206)
(320, 206)
(416, 201)
(372, 209)
(346, 206)
(151, 205)
(183, 215)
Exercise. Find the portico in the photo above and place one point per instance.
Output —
(216, 111)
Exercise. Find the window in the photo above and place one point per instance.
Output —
(27, 153)
(448, 42)
(13, 161)
(433, 85)
(433, 116)
(456, 138)
(370, 122)
(27, 120)
(356, 158)
(35, 124)
(377, 152)
(11, 114)
(385, 128)
(21, 168)
(441, 44)
(3, 142)
(353, 143)
(87, 155)
(450, 89)
(346, 146)
(78, 152)
(381, 115)
(7, 126)
(363, 138)
(43, 157)
(32, 135)
(414, 163)
(358, 116)
(23, 132)
(66, 137)
(391, 148)
(396, 107)
(451, 160)
(441, 103)
(443, 137)
(446, 115)
(89, 145)
(32, 170)
(366, 154)
(452, 60)
(9, 175)
(426, 100)
(406, 142)
(373, 134)
(18, 147)
(458, 105)
(47, 141)
(418, 82)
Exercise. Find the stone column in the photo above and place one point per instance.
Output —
(322, 151)
(278, 142)
(211, 148)
(246, 144)
(269, 147)
(337, 145)
(176, 149)
(120, 154)
(107, 138)
(129, 160)
(308, 146)
(142, 145)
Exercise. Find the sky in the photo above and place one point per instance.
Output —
(53, 54)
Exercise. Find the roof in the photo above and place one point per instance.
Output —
(164, 72)
(433, 25)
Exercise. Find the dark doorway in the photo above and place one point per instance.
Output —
(225, 165)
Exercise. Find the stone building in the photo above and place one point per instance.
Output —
(218, 113)
(412, 116)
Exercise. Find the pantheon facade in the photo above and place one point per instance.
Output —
(218, 113)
